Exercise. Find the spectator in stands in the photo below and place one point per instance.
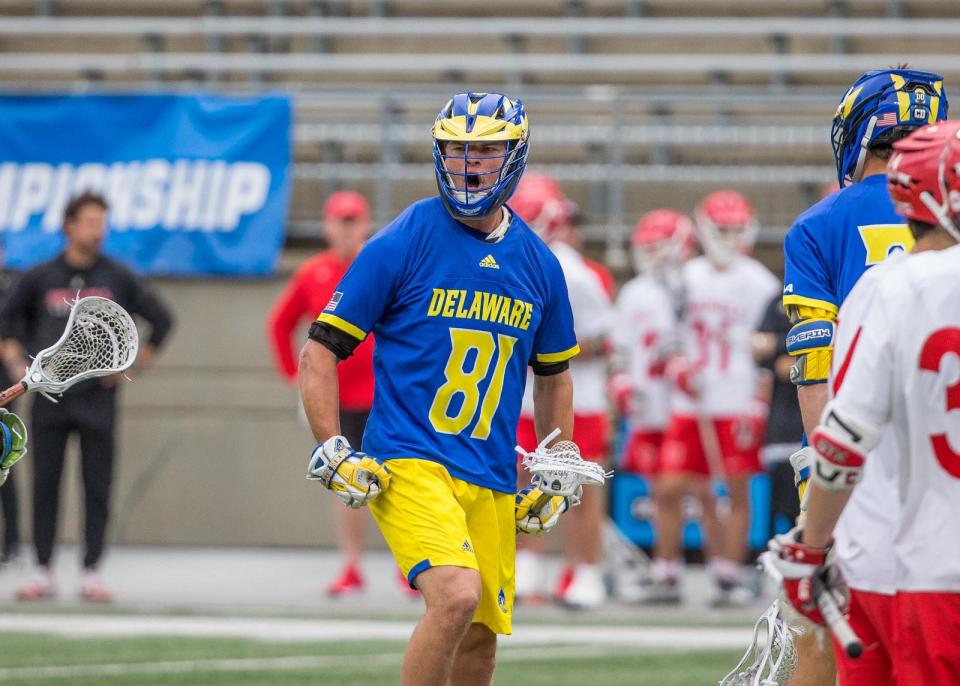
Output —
(33, 318)
(346, 226)
(784, 425)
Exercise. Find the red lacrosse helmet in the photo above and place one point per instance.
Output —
(950, 177)
(726, 226)
(920, 173)
(541, 203)
(661, 240)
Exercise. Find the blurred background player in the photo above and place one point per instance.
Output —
(826, 251)
(347, 225)
(784, 426)
(715, 430)
(541, 203)
(645, 336)
(901, 324)
(33, 318)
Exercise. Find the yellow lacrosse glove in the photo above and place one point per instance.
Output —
(355, 478)
(537, 513)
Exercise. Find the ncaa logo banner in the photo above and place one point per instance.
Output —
(197, 185)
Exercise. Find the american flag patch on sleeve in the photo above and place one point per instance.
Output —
(334, 301)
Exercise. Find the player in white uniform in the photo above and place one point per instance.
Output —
(645, 336)
(717, 421)
(897, 363)
(539, 201)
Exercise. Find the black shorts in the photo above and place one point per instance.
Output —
(352, 424)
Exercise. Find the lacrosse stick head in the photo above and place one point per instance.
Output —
(771, 658)
(559, 469)
(99, 339)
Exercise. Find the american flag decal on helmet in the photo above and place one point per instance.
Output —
(888, 119)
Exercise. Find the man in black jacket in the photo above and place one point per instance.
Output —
(33, 318)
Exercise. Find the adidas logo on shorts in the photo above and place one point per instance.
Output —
(466, 547)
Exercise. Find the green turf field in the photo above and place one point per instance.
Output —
(41, 660)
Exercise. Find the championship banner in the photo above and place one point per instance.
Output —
(197, 185)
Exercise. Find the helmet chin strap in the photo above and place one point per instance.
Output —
(942, 213)
(864, 147)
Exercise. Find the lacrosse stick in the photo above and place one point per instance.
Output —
(842, 631)
(99, 339)
(838, 624)
(771, 658)
(559, 469)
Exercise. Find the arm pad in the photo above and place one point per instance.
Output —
(810, 341)
(841, 441)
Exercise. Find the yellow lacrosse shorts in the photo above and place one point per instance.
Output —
(431, 519)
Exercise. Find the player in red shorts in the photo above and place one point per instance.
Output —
(892, 405)
(716, 427)
(645, 336)
(541, 203)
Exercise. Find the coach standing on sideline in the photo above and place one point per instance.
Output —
(33, 318)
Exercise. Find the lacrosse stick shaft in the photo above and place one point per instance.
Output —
(10, 394)
(846, 637)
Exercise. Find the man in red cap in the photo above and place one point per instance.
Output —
(346, 226)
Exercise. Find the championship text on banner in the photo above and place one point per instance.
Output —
(196, 184)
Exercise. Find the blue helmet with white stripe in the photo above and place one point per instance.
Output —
(472, 131)
(883, 106)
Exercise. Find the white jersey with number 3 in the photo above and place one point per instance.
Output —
(899, 363)
(723, 308)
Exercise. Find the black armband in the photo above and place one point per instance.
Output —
(340, 343)
(541, 369)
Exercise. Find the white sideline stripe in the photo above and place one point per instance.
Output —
(274, 664)
(284, 630)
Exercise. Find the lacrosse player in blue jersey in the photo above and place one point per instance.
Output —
(827, 250)
(461, 296)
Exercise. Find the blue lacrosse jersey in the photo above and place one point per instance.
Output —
(456, 321)
(834, 242)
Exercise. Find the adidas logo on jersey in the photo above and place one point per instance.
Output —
(466, 547)
(489, 262)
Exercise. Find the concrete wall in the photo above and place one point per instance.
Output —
(211, 450)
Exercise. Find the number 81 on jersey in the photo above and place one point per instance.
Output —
(467, 382)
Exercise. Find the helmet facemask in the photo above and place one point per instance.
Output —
(479, 152)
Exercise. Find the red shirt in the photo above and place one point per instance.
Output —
(306, 294)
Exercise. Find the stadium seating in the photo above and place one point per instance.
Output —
(635, 102)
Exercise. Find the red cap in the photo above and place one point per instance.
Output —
(346, 205)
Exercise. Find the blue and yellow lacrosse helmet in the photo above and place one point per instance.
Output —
(883, 106)
(466, 134)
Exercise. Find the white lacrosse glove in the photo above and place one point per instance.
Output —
(538, 513)
(13, 442)
(355, 478)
